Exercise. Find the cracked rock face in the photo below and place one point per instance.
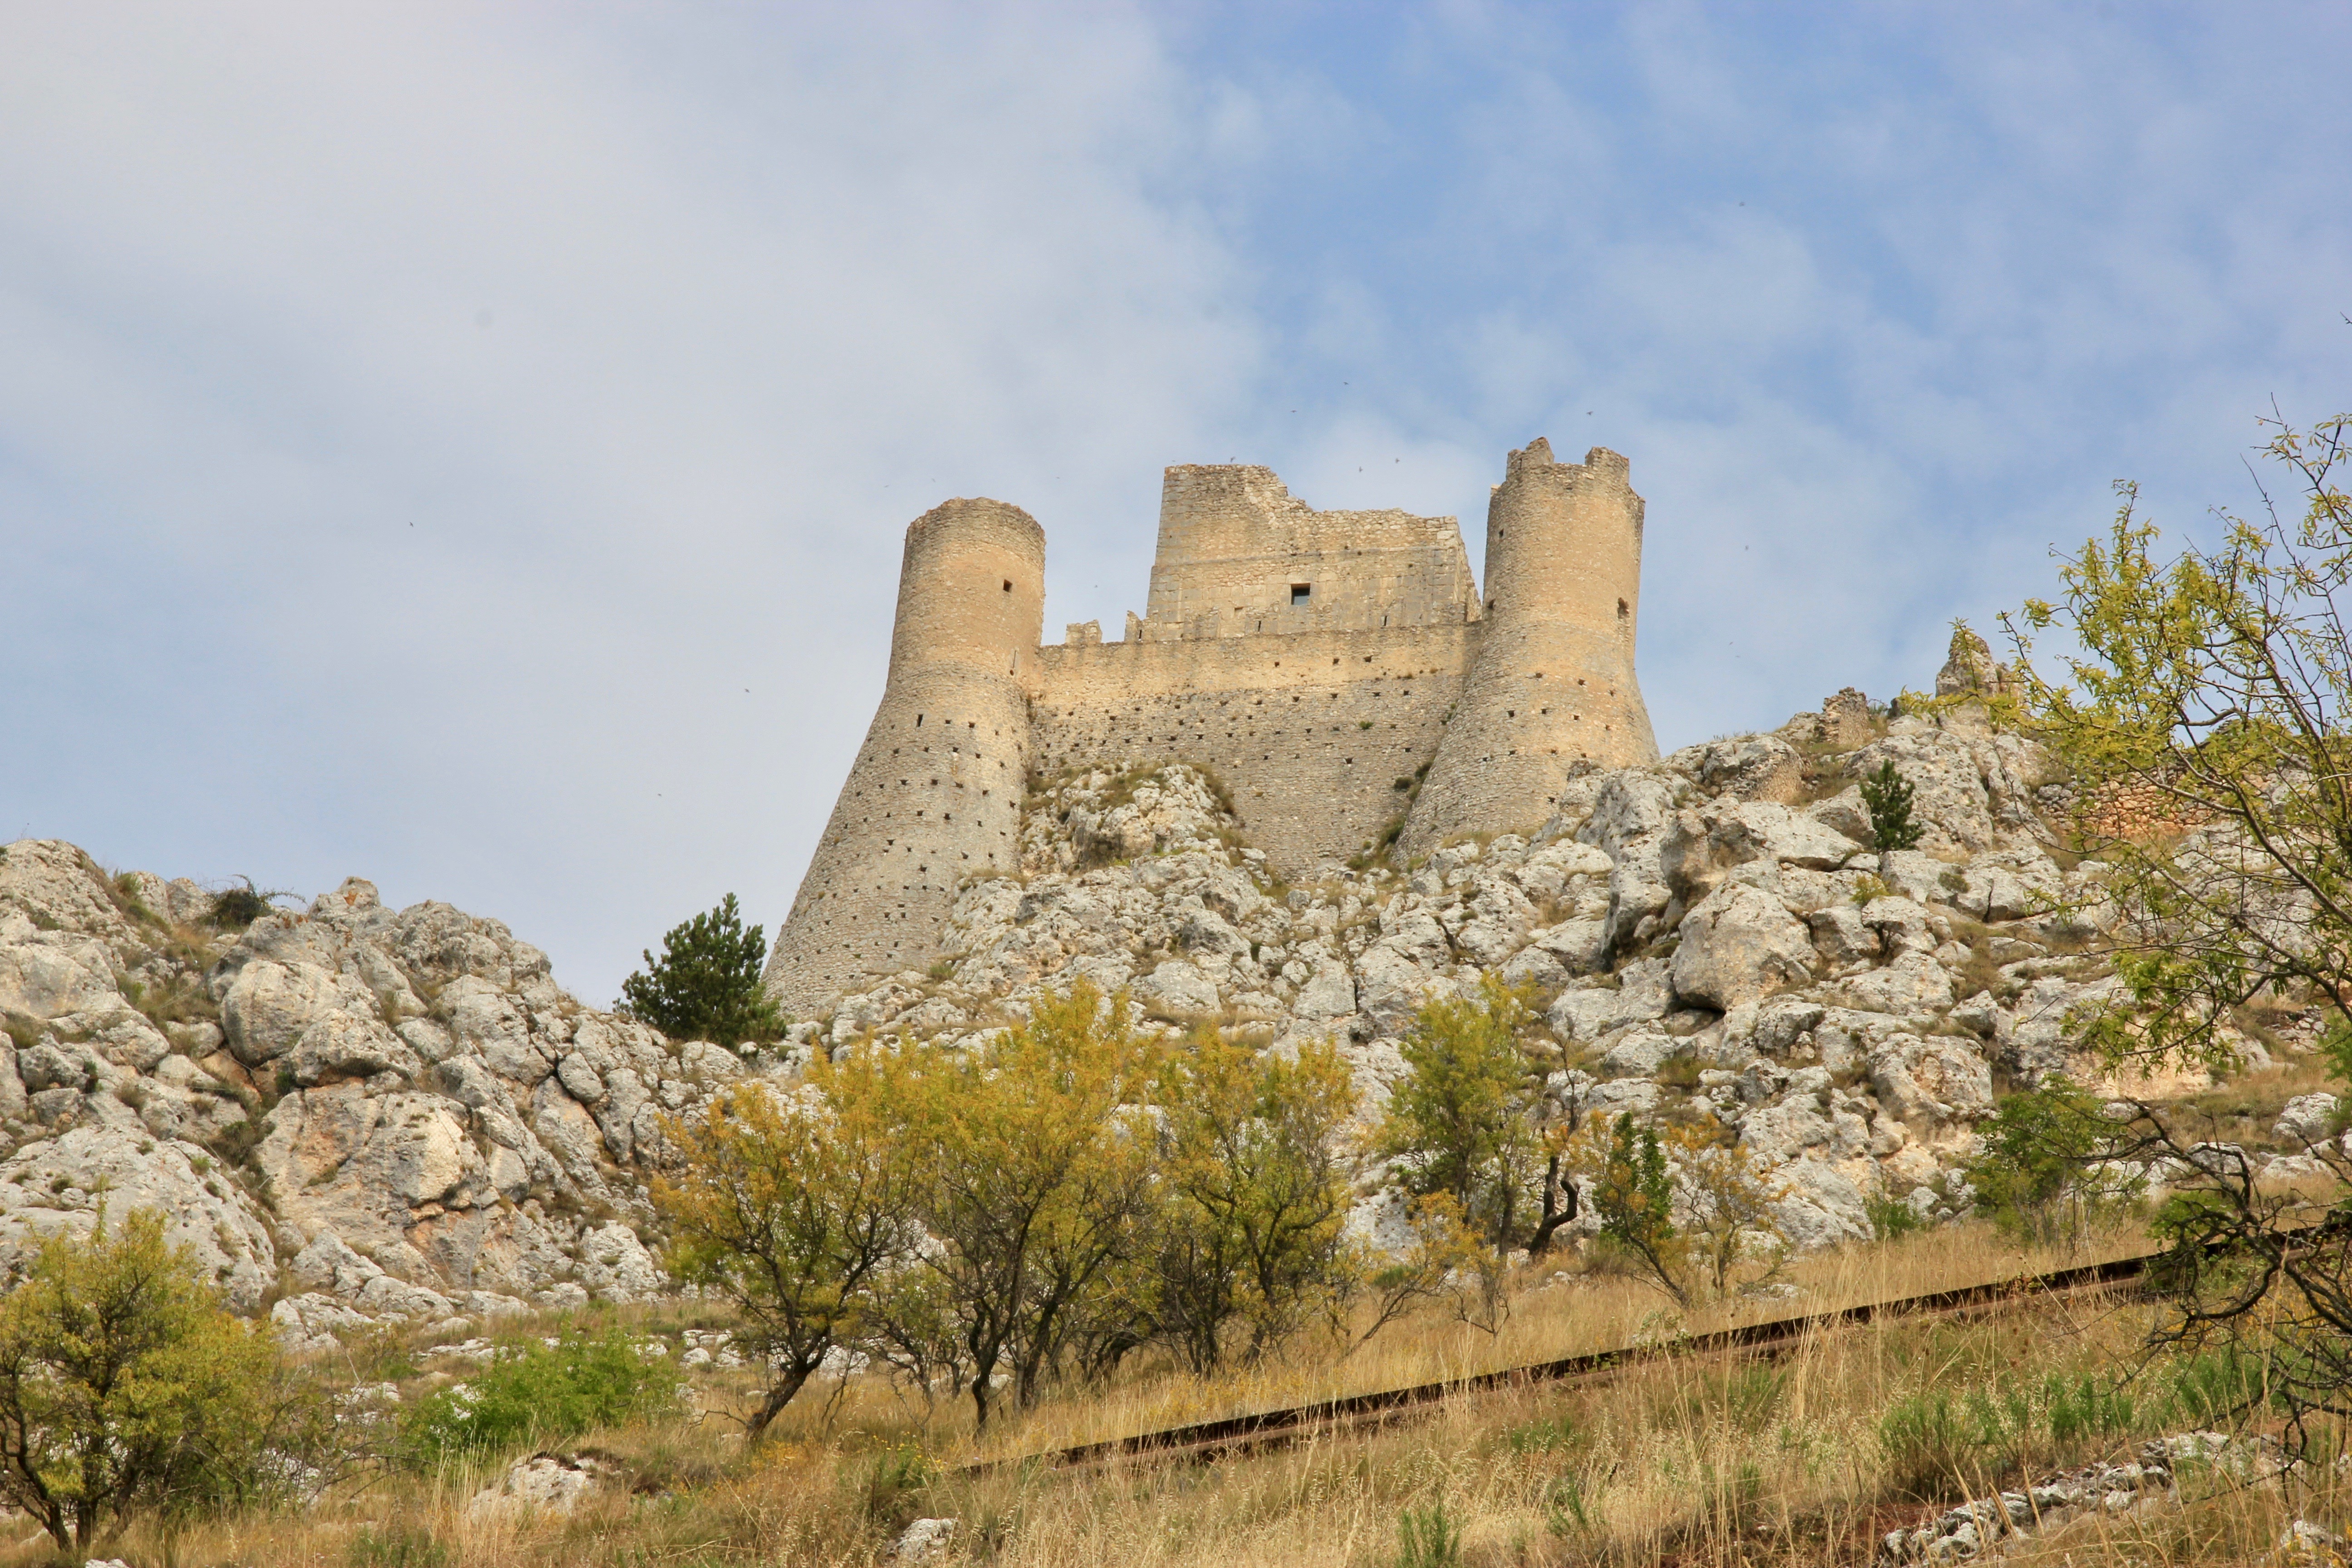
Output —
(378, 1113)
(406, 1095)
(1722, 906)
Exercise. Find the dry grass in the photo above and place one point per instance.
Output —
(1711, 1459)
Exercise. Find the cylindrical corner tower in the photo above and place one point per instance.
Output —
(935, 793)
(1553, 682)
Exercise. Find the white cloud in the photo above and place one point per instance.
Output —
(469, 411)
(422, 423)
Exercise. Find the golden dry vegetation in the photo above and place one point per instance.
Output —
(1707, 1459)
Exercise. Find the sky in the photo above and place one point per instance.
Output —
(469, 446)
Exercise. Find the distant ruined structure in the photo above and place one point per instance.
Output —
(1334, 668)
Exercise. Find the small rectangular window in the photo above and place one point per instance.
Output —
(1299, 592)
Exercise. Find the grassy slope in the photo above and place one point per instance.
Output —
(1704, 1460)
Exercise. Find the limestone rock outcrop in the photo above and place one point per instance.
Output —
(1846, 1010)
(358, 1113)
(369, 1112)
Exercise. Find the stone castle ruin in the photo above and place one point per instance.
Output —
(1337, 670)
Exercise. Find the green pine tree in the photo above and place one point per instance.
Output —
(1887, 794)
(706, 985)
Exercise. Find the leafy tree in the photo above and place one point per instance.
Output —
(1732, 1235)
(125, 1385)
(2044, 1172)
(798, 1209)
(1886, 794)
(1625, 1165)
(1463, 1122)
(2211, 692)
(1036, 1178)
(1254, 1195)
(2199, 718)
(706, 985)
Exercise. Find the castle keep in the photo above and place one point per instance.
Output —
(1319, 662)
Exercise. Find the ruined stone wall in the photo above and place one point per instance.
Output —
(1240, 556)
(1314, 735)
(935, 792)
(1316, 662)
(1553, 685)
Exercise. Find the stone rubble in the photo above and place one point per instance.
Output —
(921, 1541)
(1983, 1525)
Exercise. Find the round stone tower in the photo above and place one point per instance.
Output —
(935, 793)
(1552, 683)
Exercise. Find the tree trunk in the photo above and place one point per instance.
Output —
(1558, 1209)
(788, 1384)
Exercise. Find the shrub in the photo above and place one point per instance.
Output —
(1036, 1178)
(1890, 1217)
(126, 1384)
(2041, 1175)
(396, 1546)
(1926, 1448)
(239, 908)
(2087, 1408)
(1462, 1121)
(535, 1392)
(1886, 794)
(889, 1489)
(1427, 1538)
(1251, 1226)
(1625, 1168)
(706, 985)
(2217, 1388)
(1732, 1237)
(795, 1210)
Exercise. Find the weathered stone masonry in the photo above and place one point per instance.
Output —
(1317, 661)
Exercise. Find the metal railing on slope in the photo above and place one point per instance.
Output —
(1270, 1428)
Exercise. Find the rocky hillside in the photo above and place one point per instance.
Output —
(1713, 932)
(352, 1111)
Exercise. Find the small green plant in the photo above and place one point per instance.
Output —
(396, 1546)
(1869, 888)
(1891, 1216)
(239, 908)
(2217, 1388)
(1552, 1434)
(706, 985)
(2087, 1408)
(1564, 1510)
(889, 1493)
(1428, 1538)
(1926, 1448)
(1886, 794)
(535, 1392)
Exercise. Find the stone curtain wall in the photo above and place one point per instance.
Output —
(1310, 733)
(1553, 683)
(935, 793)
(1318, 716)
(1233, 543)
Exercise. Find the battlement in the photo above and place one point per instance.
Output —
(1319, 662)
(1239, 555)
